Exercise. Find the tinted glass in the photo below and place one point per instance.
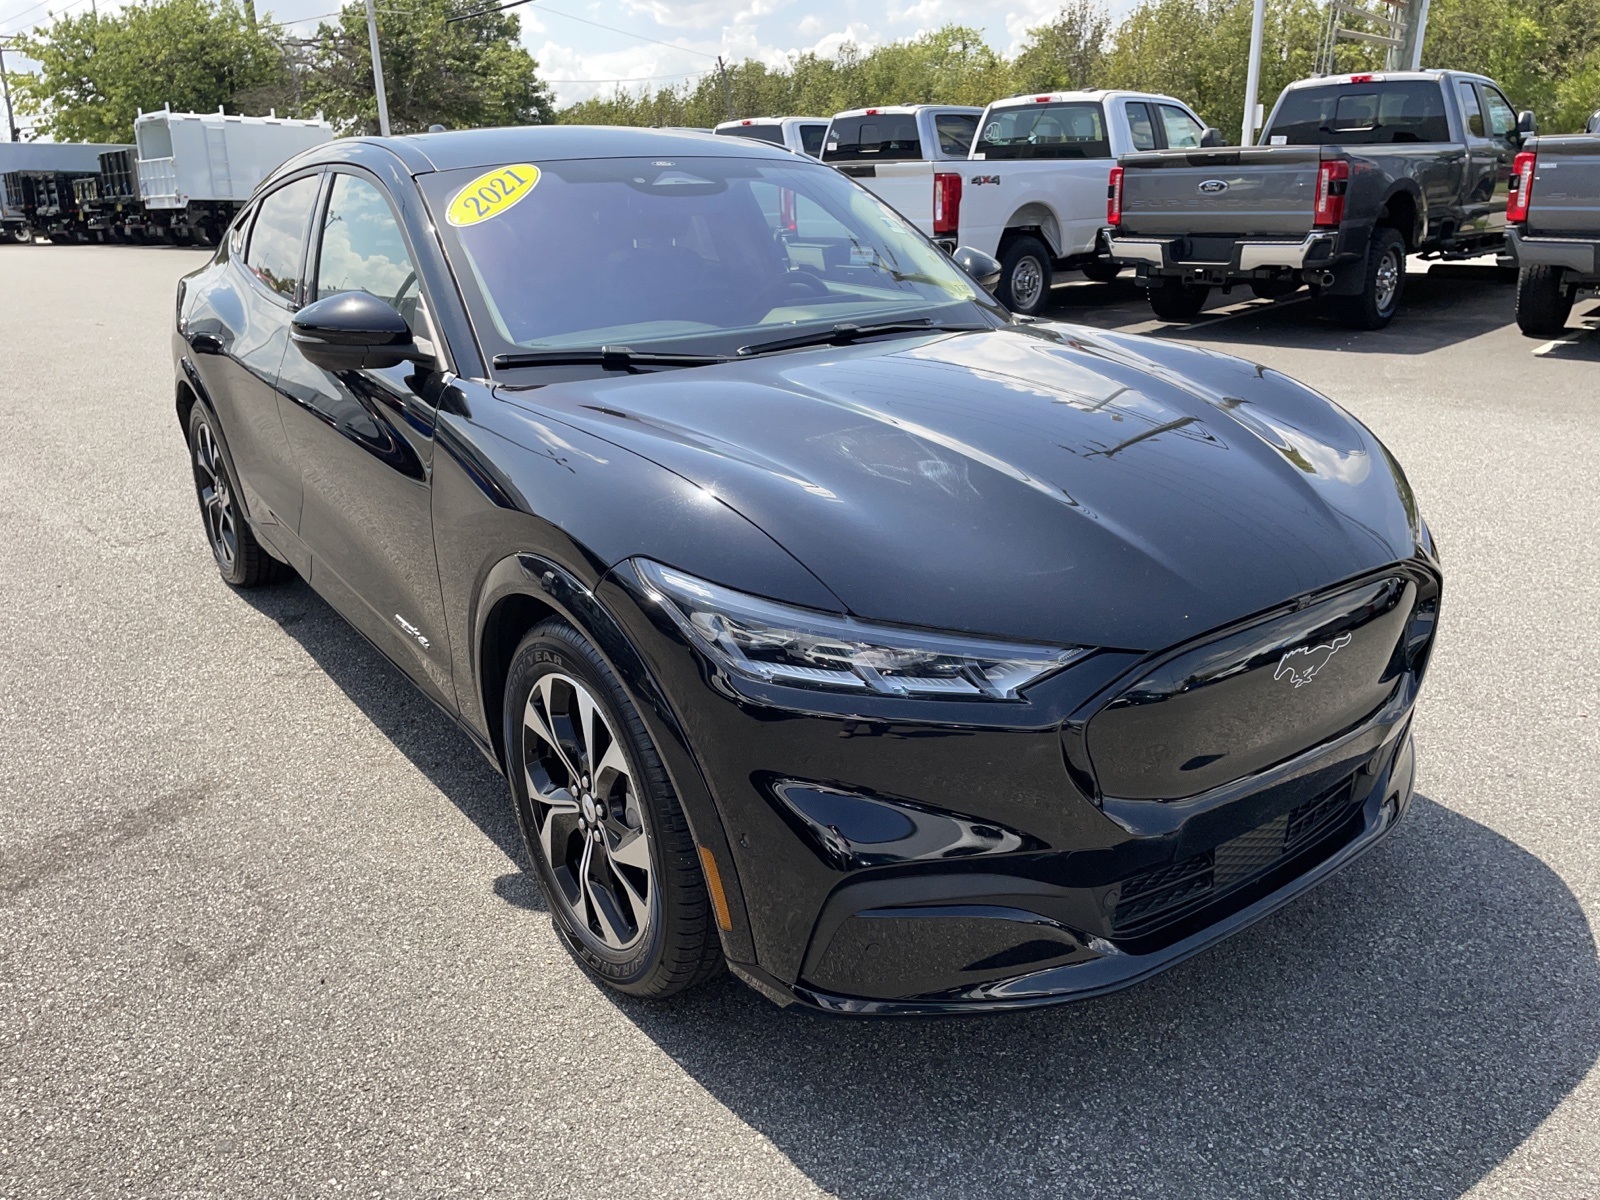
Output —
(772, 134)
(1470, 109)
(362, 250)
(811, 139)
(956, 131)
(887, 135)
(278, 238)
(1072, 130)
(1183, 131)
(1361, 114)
(691, 255)
(1502, 119)
(1140, 125)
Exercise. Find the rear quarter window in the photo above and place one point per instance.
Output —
(1360, 114)
(880, 136)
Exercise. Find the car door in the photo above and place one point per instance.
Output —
(1483, 164)
(365, 441)
(1501, 119)
(240, 346)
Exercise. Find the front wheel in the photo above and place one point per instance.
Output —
(1383, 282)
(1177, 301)
(609, 843)
(1543, 302)
(1025, 276)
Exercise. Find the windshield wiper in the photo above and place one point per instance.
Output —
(845, 333)
(607, 358)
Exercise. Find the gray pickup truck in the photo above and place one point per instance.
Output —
(1354, 173)
(1554, 218)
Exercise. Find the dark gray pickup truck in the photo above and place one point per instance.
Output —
(1354, 173)
(1554, 217)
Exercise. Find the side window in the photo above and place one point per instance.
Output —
(1502, 118)
(1141, 126)
(1470, 112)
(278, 236)
(956, 131)
(1183, 131)
(811, 139)
(362, 247)
(239, 232)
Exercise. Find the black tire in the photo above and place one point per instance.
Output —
(1025, 270)
(1383, 283)
(1101, 270)
(241, 560)
(1274, 289)
(1176, 301)
(672, 942)
(1543, 301)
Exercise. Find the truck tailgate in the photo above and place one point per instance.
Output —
(1566, 188)
(1257, 191)
(905, 186)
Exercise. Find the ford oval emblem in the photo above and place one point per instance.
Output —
(1212, 186)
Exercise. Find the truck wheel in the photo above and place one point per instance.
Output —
(1024, 276)
(1383, 282)
(1177, 301)
(1543, 301)
(1101, 270)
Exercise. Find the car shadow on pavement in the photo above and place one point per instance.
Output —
(419, 730)
(1396, 1033)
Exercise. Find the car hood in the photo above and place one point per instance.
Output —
(1052, 483)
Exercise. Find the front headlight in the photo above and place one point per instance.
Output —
(776, 643)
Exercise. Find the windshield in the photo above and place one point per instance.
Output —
(1361, 114)
(1070, 130)
(689, 255)
(756, 133)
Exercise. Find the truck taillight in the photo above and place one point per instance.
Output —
(1114, 198)
(1521, 186)
(946, 203)
(1333, 177)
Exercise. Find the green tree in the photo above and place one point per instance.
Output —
(461, 74)
(1068, 51)
(96, 73)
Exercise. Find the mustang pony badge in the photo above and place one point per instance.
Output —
(1302, 665)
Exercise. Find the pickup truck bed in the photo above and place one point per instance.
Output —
(1555, 229)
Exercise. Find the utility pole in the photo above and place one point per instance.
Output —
(377, 71)
(5, 86)
(1252, 86)
(722, 74)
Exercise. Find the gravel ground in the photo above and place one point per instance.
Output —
(263, 929)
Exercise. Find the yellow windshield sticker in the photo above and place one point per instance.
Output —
(492, 193)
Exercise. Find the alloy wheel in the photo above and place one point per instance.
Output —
(1387, 281)
(216, 498)
(588, 820)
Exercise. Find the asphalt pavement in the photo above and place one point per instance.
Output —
(264, 929)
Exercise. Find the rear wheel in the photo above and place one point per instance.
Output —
(1025, 276)
(1543, 301)
(610, 846)
(1101, 270)
(241, 560)
(1383, 282)
(1177, 301)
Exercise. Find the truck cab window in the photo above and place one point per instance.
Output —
(1502, 117)
(1470, 111)
(278, 237)
(811, 139)
(1183, 131)
(956, 131)
(1074, 129)
(1141, 126)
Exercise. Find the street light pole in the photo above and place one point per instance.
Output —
(377, 70)
(1252, 86)
(5, 86)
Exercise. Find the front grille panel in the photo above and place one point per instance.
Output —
(1153, 899)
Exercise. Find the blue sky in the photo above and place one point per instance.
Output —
(665, 41)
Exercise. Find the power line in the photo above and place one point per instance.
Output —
(483, 12)
(626, 32)
(42, 3)
(635, 79)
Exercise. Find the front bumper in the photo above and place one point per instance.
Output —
(900, 856)
(1580, 257)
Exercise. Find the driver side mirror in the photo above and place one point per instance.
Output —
(1211, 138)
(354, 331)
(983, 268)
(1527, 124)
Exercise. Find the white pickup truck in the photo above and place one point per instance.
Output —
(910, 156)
(803, 135)
(1034, 194)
